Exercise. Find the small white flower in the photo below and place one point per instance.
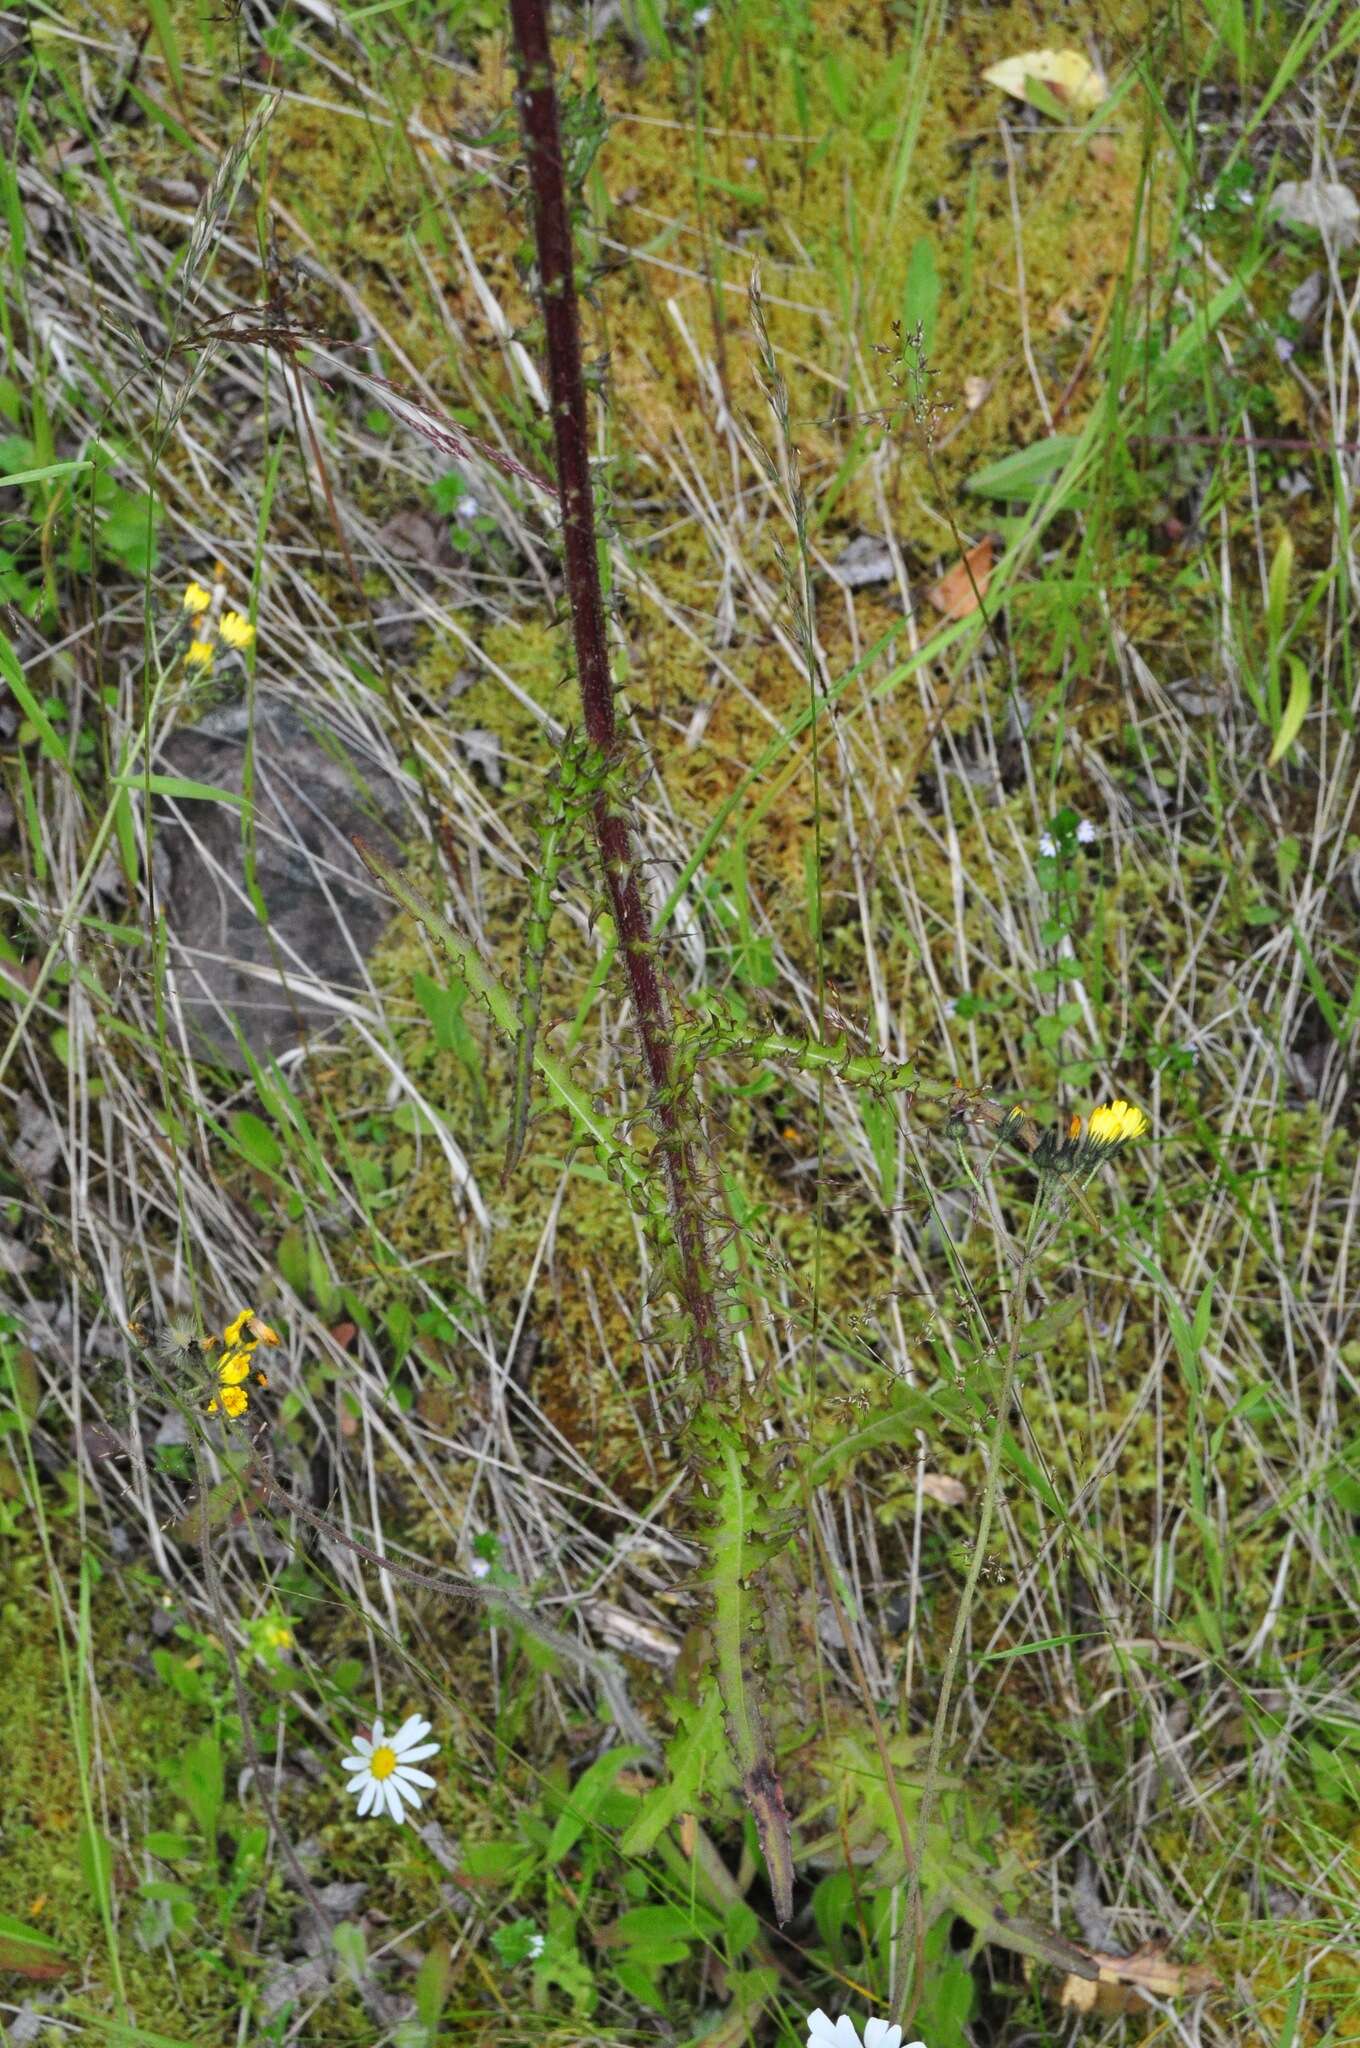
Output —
(822, 2033)
(468, 508)
(480, 1568)
(534, 1947)
(702, 16)
(1047, 844)
(1087, 834)
(382, 1768)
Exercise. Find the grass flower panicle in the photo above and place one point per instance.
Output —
(381, 1768)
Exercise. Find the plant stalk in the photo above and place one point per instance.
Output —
(720, 1444)
(537, 99)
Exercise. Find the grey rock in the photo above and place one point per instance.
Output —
(1303, 300)
(325, 911)
(867, 559)
(1333, 210)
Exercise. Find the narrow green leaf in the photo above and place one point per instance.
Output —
(1295, 710)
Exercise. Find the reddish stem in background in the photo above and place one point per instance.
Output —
(537, 102)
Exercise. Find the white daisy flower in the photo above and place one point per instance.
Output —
(382, 1768)
(1047, 844)
(843, 2034)
(1087, 834)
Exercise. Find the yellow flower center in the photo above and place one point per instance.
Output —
(382, 1763)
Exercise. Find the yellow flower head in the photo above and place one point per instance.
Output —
(235, 1367)
(277, 1636)
(196, 599)
(1115, 1123)
(233, 1400)
(236, 631)
(200, 654)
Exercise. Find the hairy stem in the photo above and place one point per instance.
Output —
(675, 1102)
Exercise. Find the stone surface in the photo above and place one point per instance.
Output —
(1332, 209)
(287, 979)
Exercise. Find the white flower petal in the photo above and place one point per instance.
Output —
(847, 2034)
(410, 1793)
(822, 2032)
(404, 1775)
(413, 1729)
(355, 1763)
(368, 1798)
(879, 2034)
(393, 1798)
(375, 1739)
(418, 1754)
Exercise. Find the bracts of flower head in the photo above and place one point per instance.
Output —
(1082, 1147)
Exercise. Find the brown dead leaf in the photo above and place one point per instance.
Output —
(959, 589)
(1123, 1981)
(34, 1957)
(949, 1492)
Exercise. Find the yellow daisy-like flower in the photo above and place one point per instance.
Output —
(240, 1340)
(1115, 1123)
(236, 631)
(196, 599)
(200, 654)
(235, 1367)
(1079, 1151)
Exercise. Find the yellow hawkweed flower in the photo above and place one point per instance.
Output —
(239, 1341)
(1111, 1125)
(1114, 1123)
(236, 631)
(196, 599)
(200, 654)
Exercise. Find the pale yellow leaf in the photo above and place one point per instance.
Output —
(1068, 75)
